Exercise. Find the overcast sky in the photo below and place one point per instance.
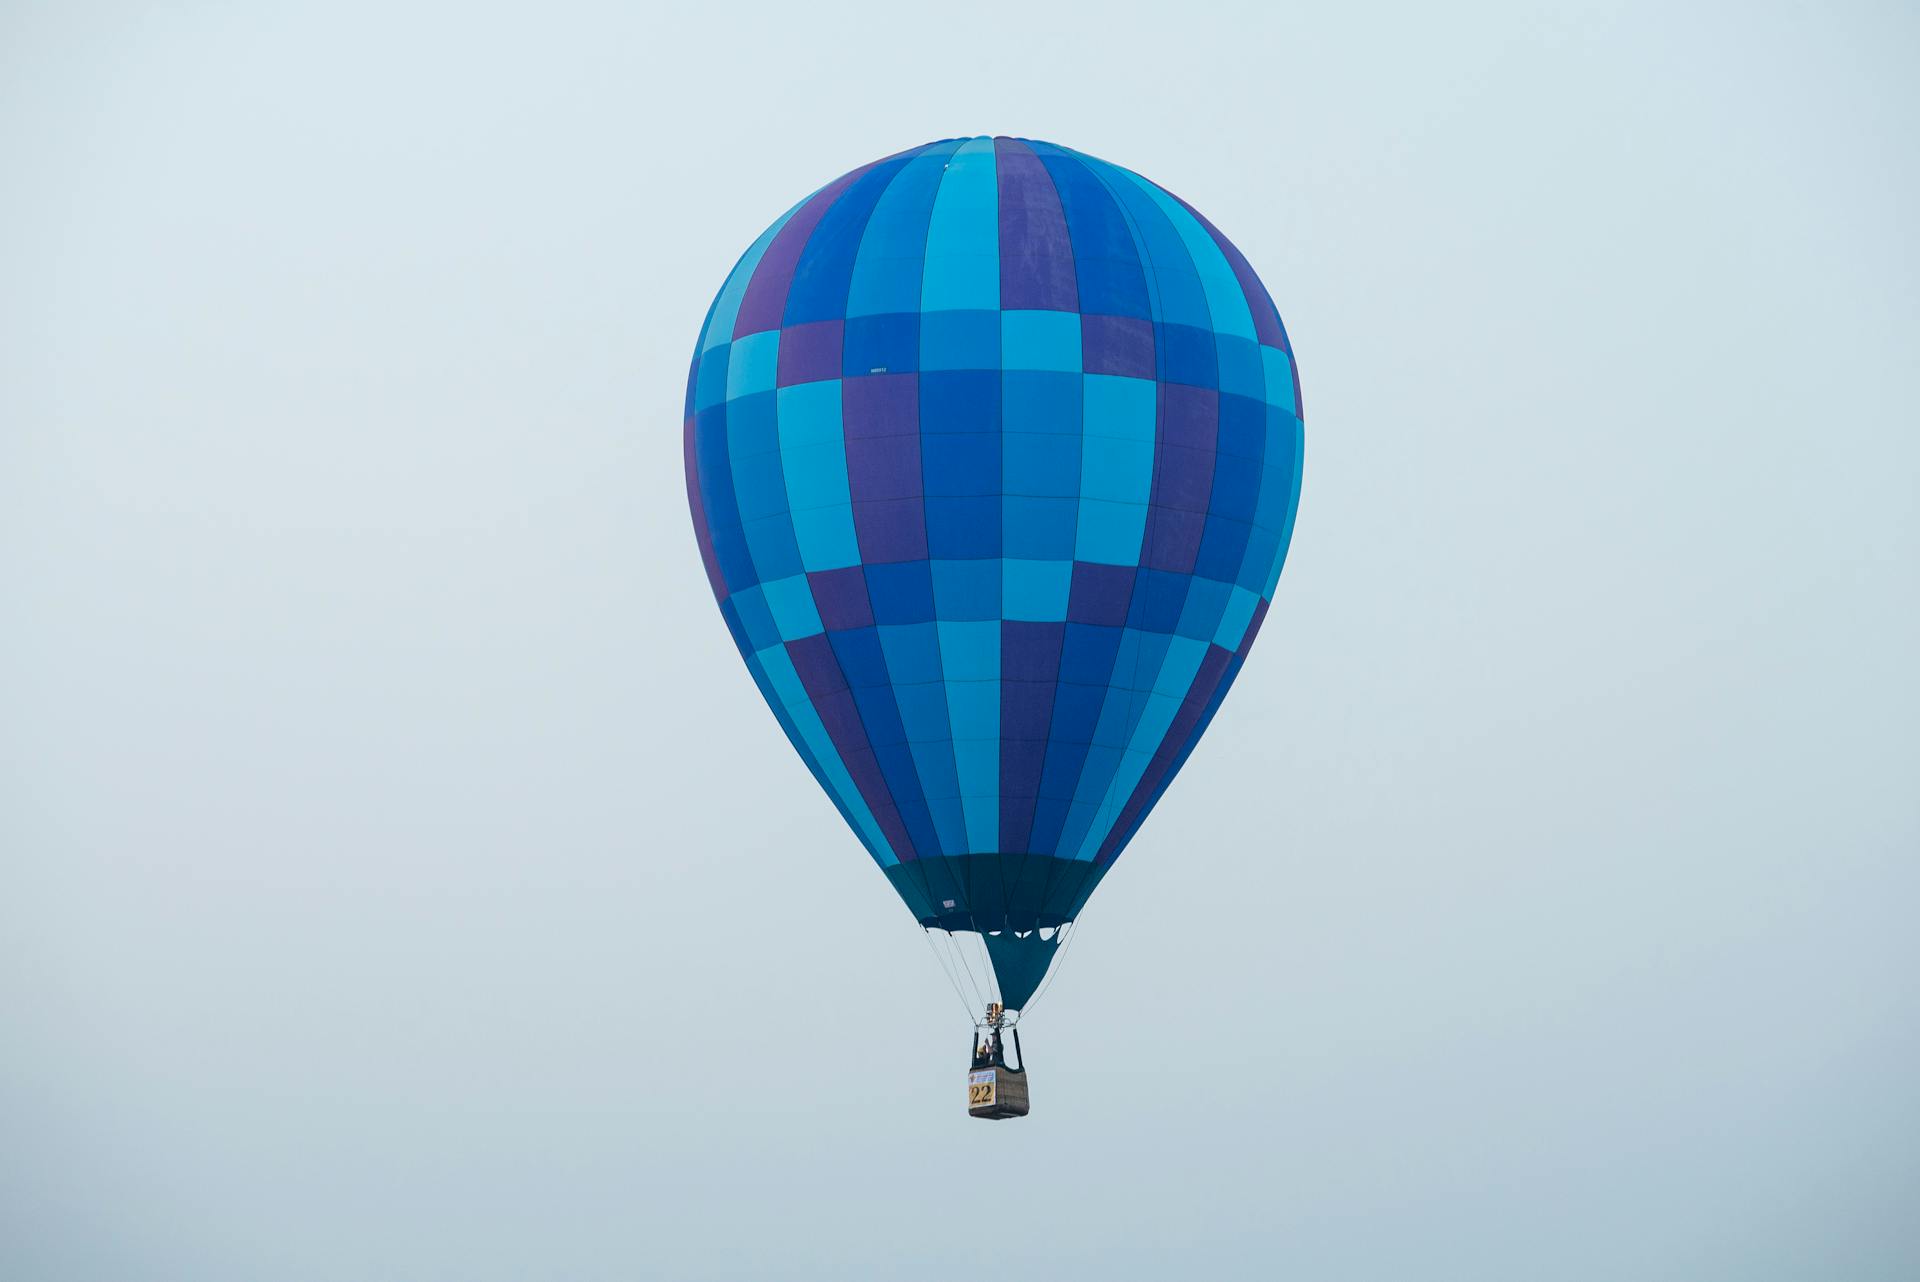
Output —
(400, 877)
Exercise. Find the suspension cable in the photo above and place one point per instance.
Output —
(946, 968)
(979, 992)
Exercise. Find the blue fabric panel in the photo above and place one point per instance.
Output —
(1109, 274)
(886, 343)
(887, 270)
(902, 592)
(1041, 529)
(824, 274)
(967, 590)
(960, 340)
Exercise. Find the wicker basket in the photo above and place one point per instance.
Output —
(997, 1092)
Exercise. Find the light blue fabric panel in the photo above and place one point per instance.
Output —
(809, 414)
(1110, 533)
(753, 364)
(816, 476)
(791, 602)
(1117, 471)
(1036, 591)
(1040, 340)
(1125, 408)
(826, 537)
(1234, 620)
(973, 707)
(1279, 380)
(970, 651)
(963, 236)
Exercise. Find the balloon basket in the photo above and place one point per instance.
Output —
(997, 1093)
(995, 1089)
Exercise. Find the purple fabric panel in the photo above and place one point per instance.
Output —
(1100, 594)
(1030, 651)
(841, 598)
(1189, 417)
(1021, 761)
(826, 688)
(1266, 317)
(1029, 669)
(1173, 539)
(863, 765)
(1026, 709)
(1036, 253)
(880, 405)
(1117, 345)
(1192, 708)
(1184, 453)
(891, 530)
(810, 352)
(840, 713)
(915, 815)
(766, 296)
(1183, 456)
(699, 508)
(819, 670)
(889, 514)
(883, 467)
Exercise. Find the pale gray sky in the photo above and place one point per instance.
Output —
(376, 899)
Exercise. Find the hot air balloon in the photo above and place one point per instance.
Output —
(993, 454)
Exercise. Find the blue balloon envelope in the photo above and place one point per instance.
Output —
(993, 452)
